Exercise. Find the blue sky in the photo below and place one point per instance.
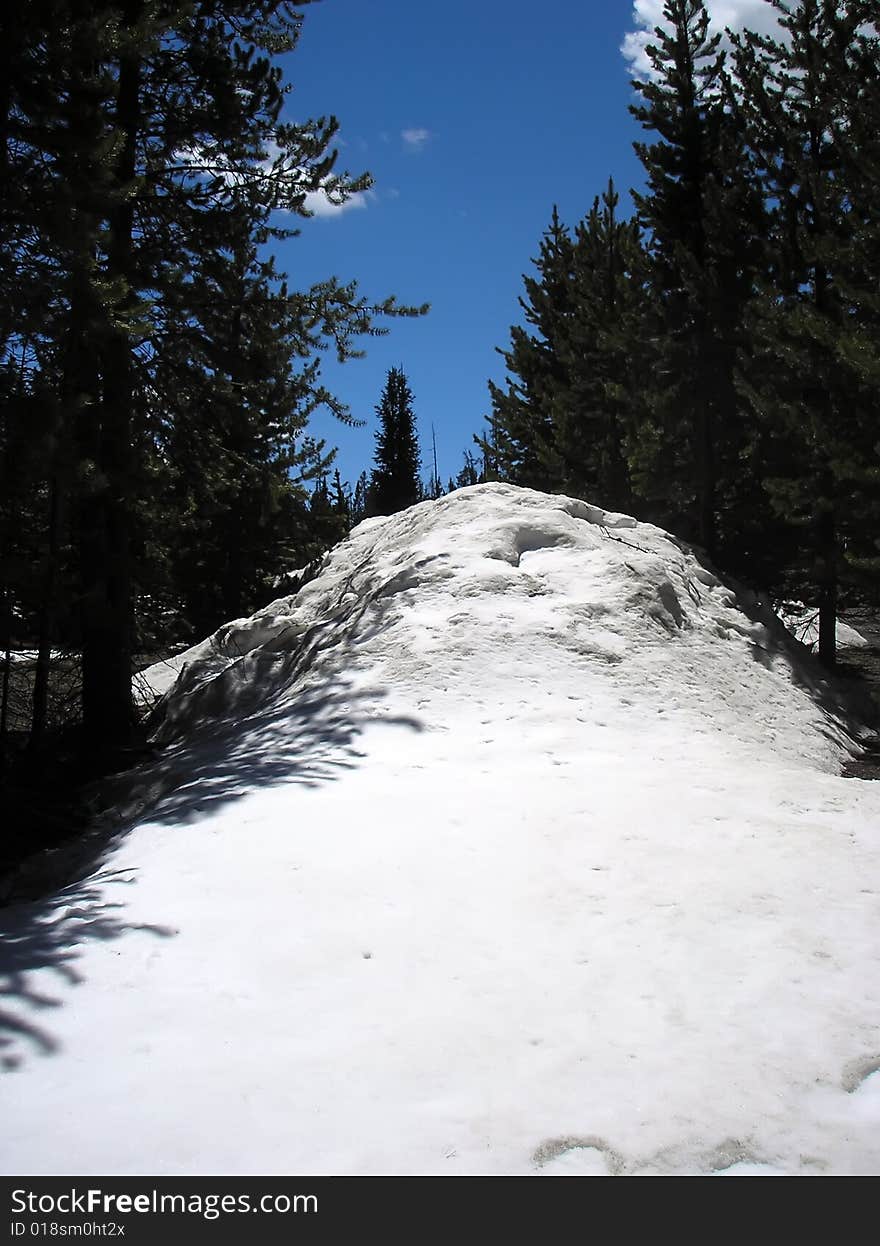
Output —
(474, 118)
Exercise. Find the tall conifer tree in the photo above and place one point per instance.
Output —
(522, 446)
(808, 99)
(593, 405)
(395, 482)
(697, 222)
(565, 416)
(149, 136)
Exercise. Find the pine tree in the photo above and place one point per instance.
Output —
(152, 157)
(695, 210)
(522, 439)
(563, 421)
(395, 482)
(359, 499)
(472, 473)
(340, 501)
(234, 484)
(807, 99)
(592, 408)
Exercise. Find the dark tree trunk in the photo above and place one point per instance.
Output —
(708, 380)
(826, 577)
(706, 488)
(47, 619)
(109, 721)
(4, 695)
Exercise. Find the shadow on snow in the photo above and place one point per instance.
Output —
(287, 713)
(49, 935)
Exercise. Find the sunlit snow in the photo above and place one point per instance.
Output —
(514, 842)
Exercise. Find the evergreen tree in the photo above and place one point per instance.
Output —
(395, 482)
(472, 473)
(234, 485)
(810, 103)
(340, 500)
(698, 212)
(147, 155)
(593, 407)
(359, 499)
(563, 421)
(726, 380)
(329, 514)
(522, 443)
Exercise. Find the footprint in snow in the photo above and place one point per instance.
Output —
(576, 1156)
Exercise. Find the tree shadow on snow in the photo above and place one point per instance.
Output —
(848, 710)
(48, 935)
(307, 741)
(286, 712)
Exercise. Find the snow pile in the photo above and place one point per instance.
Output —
(495, 584)
(803, 624)
(512, 843)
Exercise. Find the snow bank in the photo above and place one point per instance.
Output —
(495, 583)
(514, 842)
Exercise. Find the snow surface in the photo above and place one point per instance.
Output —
(803, 623)
(514, 842)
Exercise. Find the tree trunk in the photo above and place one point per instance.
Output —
(706, 483)
(826, 578)
(109, 720)
(47, 620)
(4, 697)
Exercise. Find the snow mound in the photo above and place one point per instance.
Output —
(513, 842)
(497, 583)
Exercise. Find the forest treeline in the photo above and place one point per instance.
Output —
(712, 363)
(157, 372)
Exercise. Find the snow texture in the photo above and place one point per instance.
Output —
(513, 842)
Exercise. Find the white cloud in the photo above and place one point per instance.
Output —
(415, 139)
(206, 162)
(736, 14)
(319, 204)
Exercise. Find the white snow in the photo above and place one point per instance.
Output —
(803, 624)
(28, 657)
(512, 843)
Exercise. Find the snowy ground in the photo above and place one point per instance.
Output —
(510, 844)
